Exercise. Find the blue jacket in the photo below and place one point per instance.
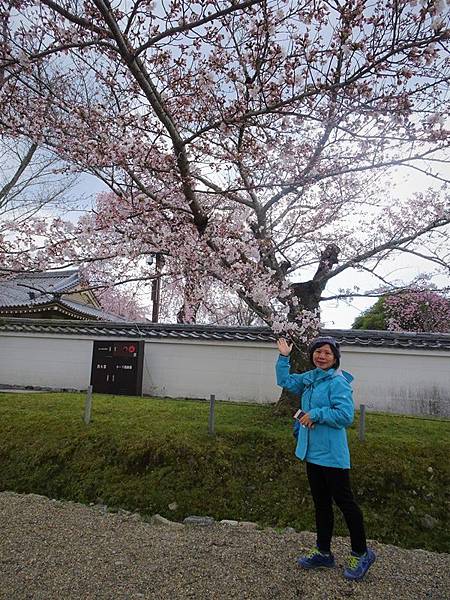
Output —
(327, 397)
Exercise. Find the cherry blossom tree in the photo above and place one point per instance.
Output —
(413, 310)
(418, 311)
(249, 141)
(32, 179)
(214, 304)
(125, 303)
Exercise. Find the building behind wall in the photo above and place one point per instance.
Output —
(397, 372)
(50, 295)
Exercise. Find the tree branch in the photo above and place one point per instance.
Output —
(24, 163)
(193, 25)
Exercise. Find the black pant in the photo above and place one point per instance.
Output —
(328, 484)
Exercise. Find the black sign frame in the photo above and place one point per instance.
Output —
(117, 367)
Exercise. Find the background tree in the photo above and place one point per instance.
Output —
(424, 311)
(215, 304)
(33, 181)
(414, 310)
(249, 141)
(125, 303)
(372, 318)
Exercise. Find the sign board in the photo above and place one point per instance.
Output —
(117, 367)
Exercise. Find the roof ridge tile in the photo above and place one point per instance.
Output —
(350, 337)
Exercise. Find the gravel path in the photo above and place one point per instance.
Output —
(51, 550)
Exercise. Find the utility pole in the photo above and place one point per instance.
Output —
(156, 286)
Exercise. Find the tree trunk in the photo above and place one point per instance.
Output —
(288, 403)
(308, 294)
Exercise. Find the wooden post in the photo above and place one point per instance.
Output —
(212, 401)
(362, 422)
(88, 406)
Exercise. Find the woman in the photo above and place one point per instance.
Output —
(327, 405)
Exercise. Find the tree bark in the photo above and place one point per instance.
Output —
(308, 294)
(288, 403)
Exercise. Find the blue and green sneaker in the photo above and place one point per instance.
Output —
(315, 559)
(358, 566)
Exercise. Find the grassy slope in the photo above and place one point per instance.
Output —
(143, 454)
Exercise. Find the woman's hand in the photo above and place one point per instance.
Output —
(283, 347)
(306, 421)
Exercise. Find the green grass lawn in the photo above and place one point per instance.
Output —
(145, 453)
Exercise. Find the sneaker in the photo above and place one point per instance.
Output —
(359, 565)
(315, 560)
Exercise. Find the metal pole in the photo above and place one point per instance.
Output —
(362, 422)
(212, 401)
(156, 287)
(155, 299)
(88, 406)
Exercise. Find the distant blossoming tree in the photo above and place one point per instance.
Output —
(214, 305)
(413, 310)
(246, 140)
(418, 311)
(122, 303)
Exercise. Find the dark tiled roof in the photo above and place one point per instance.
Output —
(90, 311)
(42, 292)
(72, 309)
(347, 337)
(30, 289)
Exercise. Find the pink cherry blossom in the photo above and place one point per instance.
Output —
(244, 141)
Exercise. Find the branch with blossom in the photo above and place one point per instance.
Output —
(246, 141)
(420, 311)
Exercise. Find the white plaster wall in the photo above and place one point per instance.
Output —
(404, 381)
(410, 381)
(241, 372)
(44, 361)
